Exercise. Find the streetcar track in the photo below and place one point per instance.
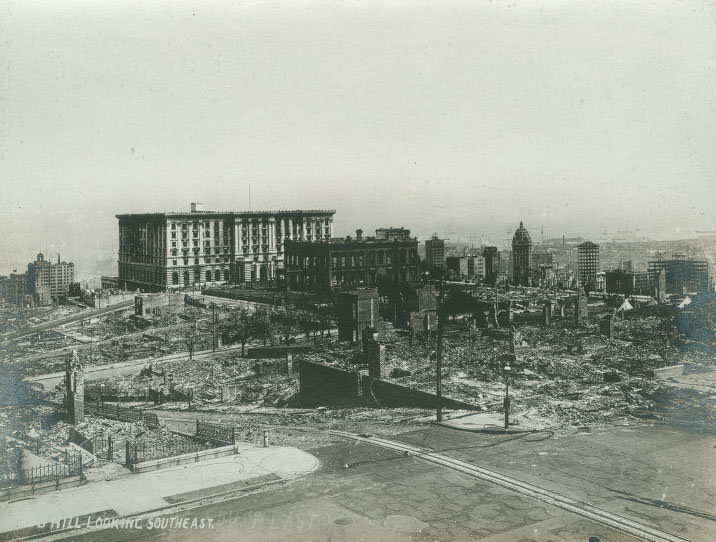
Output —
(610, 519)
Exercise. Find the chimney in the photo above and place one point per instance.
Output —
(359, 234)
(58, 258)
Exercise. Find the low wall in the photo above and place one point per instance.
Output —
(278, 351)
(82, 441)
(183, 459)
(323, 385)
(40, 487)
(393, 395)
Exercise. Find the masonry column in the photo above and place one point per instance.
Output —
(272, 234)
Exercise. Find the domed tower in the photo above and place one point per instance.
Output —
(521, 256)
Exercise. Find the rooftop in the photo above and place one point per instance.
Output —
(186, 214)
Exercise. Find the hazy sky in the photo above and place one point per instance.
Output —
(455, 117)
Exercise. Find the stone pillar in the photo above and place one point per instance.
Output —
(581, 311)
(547, 314)
(271, 234)
(375, 356)
(74, 389)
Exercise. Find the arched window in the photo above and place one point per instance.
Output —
(208, 276)
(227, 275)
(186, 278)
(175, 278)
(197, 276)
(217, 275)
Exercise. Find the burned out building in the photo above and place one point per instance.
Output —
(627, 283)
(492, 263)
(350, 262)
(356, 311)
(682, 275)
(159, 251)
(14, 290)
(587, 264)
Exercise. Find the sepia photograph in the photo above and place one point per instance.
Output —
(358, 270)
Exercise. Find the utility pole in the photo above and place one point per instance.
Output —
(213, 327)
(442, 292)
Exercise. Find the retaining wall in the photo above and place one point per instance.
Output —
(183, 459)
(40, 487)
(324, 385)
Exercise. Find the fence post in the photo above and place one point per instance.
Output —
(127, 458)
(233, 435)
(110, 453)
(197, 427)
(81, 471)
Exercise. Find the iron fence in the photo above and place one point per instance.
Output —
(43, 473)
(138, 452)
(216, 432)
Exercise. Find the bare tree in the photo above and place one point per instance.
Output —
(262, 328)
(240, 327)
(286, 322)
(326, 319)
(190, 337)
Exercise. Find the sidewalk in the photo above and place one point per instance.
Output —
(133, 493)
(492, 422)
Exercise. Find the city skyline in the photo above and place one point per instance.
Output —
(460, 120)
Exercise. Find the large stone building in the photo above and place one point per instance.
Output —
(178, 250)
(435, 252)
(349, 262)
(521, 256)
(587, 264)
(14, 290)
(48, 282)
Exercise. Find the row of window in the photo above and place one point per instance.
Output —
(207, 259)
(338, 261)
(216, 276)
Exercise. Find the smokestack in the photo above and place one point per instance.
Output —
(58, 257)
(359, 234)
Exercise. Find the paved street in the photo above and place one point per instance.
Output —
(665, 481)
(84, 315)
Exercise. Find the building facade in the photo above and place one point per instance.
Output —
(627, 283)
(47, 281)
(435, 252)
(492, 262)
(178, 250)
(350, 262)
(466, 266)
(587, 263)
(521, 256)
(14, 290)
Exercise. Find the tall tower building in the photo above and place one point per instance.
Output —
(588, 263)
(521, 256)
(435, 252)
